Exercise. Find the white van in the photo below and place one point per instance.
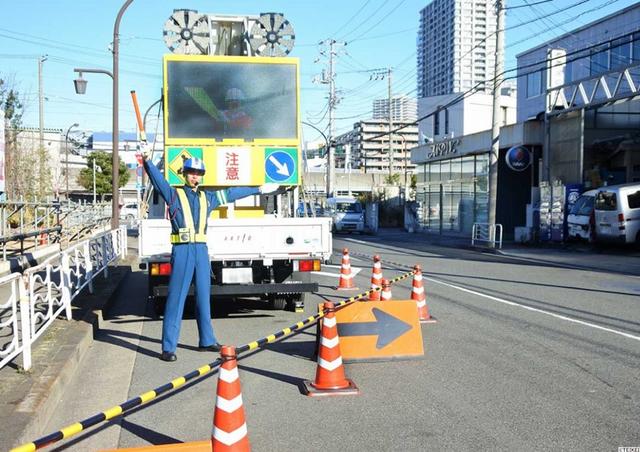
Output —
(581, 219)
(617, 213)
(347, 214)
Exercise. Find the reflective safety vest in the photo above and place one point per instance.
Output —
(189, 234)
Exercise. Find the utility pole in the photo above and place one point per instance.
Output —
(41, 152)
(331, 156)
(390, 124)
(41, 60)
(330, 79)
(495, 126)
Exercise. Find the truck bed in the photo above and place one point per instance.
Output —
(247, 239)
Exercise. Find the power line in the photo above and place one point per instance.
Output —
(353, 16)
(528, 4)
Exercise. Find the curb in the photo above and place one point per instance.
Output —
(49, 379)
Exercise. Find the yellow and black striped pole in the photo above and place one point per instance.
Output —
(74, 429)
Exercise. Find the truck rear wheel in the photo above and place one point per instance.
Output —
(295, 302)
(277, 302)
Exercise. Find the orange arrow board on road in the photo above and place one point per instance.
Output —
(379, 330)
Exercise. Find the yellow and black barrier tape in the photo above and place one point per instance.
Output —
(74, 429)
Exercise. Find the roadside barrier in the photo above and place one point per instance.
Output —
(330, 376)
(42, 293)
(376, 278)
(78, 427)
(346, 277)
(418, 294)
(385, 295)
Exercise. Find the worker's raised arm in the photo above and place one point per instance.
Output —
(219, 197)
(158, 180)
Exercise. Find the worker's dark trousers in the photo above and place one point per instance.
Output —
(186, 259)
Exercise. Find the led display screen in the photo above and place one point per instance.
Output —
(231, 100)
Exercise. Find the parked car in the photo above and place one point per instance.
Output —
(347, 214)
(129, 212)
(581, 218)
(617, 213)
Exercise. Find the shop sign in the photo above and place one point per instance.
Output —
(444, 148)
(518, 158)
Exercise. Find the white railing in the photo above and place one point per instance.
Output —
(14, 319)
(36, 298)
(486, 234)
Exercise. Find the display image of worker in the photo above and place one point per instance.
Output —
(189, 208)
(235, 118)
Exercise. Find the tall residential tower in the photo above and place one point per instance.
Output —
(456, 46)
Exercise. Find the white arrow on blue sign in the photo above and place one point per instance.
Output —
(279, 166)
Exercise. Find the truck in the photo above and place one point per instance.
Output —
(231, 98)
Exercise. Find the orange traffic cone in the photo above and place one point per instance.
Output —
(376, 278)
(386, 290)
(418, 294)
(346, 278)
(229, 426)
(330, 378)
(42, 239)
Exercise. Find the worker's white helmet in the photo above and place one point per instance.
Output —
(234, 94)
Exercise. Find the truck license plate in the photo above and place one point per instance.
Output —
(237, 275)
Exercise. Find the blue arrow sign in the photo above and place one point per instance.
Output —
(279, 166)
(387, 327)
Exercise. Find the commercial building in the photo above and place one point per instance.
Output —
(578, 124)
(452, 179)
(454, 49)
(472, 114)
(403, 108)
(584, 82)
(368, 146)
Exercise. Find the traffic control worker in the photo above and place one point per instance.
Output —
(189, 208)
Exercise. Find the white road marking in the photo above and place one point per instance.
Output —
(540, 311)
(512, 303)
(354, 272)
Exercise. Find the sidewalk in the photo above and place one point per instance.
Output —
(27, 398)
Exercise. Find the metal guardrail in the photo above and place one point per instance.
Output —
(486, 234)
(25, 224)
(40, 295)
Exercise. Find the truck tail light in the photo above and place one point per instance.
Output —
(160, 269)
(620, 217)
(309, 265)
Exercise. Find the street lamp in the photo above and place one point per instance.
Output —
(81, 86)
(330, 175)
(66, 152)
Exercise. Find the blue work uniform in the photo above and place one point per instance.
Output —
(189, 258)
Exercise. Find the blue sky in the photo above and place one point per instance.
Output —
(379, 33)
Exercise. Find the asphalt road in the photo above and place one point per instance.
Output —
(524, 356)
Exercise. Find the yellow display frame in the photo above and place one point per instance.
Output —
(264, 142)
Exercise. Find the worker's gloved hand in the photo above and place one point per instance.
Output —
(268, 188)
(145, 151)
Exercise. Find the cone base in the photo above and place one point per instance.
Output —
(429, 320)
(312, 391)
(347, 288)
